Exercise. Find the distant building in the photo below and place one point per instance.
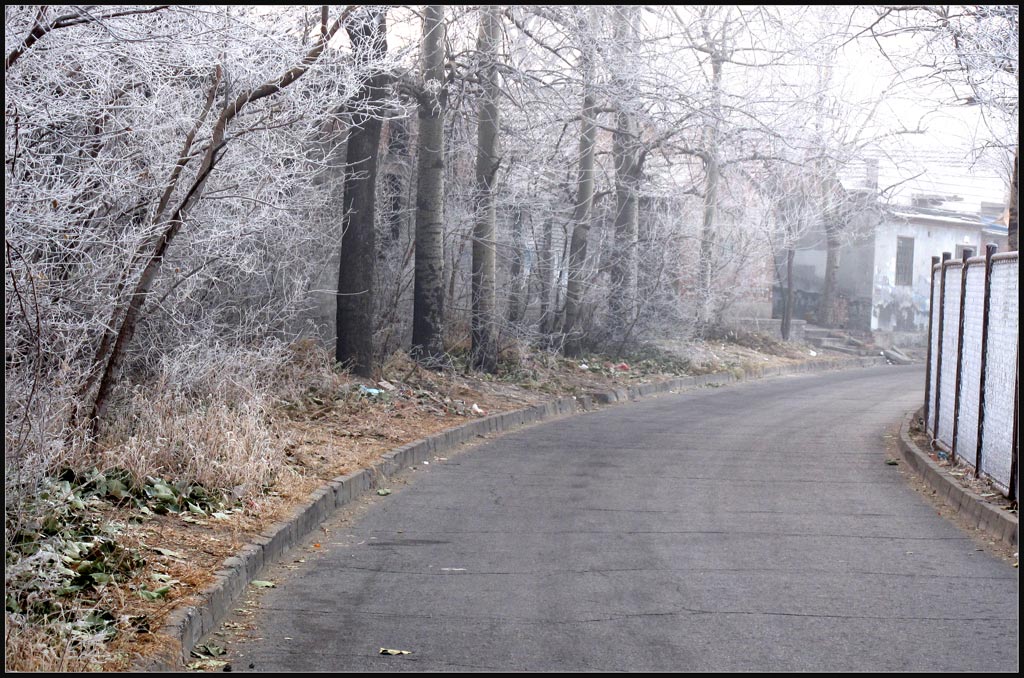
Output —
(884, 273)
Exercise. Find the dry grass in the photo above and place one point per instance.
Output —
(264, 429)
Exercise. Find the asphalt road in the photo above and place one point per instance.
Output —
(753, 527)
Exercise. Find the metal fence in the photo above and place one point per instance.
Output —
(972, 375)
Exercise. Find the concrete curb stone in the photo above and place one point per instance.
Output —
(963, 501)
(186, 626)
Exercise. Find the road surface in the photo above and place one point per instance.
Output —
(754, 527)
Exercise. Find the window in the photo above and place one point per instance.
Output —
(960, 252)
(904, 261)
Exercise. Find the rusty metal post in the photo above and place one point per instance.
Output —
(946, 256)
(990, 250)
(960, 349)
(928, 363)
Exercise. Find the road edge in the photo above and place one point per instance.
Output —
(186, 626)
(967, 504)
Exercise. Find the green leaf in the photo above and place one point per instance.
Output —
(383, 492)
(115, 488)
(155, 594)
(264, 584)
(162, 492)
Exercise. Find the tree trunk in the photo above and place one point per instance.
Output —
(355, 324)
(707, 244)
(545, 270)
(706, 266)
(1011, 224)
(428, 291)
(584, 202)
(516, 283)
(484, 327)
(625, 149)
(827, 308)
(787, 302)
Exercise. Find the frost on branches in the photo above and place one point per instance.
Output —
(159, 199)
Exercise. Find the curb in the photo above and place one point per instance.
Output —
(186, 626)
(968, 505)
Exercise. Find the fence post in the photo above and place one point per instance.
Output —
(960, 349)
(928, 364)
(990, 250)
(1014, 473)
(946, 256)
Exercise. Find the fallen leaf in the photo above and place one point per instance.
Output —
(264, 584)
(892, 462)
(169, 553)
(208, 650)
(383, 492)
(385, 650)
(208, 664)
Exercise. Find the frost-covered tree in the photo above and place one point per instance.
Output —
(157, 163)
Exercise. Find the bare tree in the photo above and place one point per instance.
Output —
(628, 175)
(484, 316)
(367, 31)
(428, 295)
(584, 192)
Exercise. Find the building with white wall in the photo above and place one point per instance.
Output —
(884, 276)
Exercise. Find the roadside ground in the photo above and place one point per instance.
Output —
(127, 553)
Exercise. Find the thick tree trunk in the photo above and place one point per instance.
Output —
(355, 324)
(827, 308)
(626, 152)
(581, 213)
(707, 244)
(428, 292)
(706, 305)
(484, 326)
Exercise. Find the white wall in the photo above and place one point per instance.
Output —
(931, 238)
